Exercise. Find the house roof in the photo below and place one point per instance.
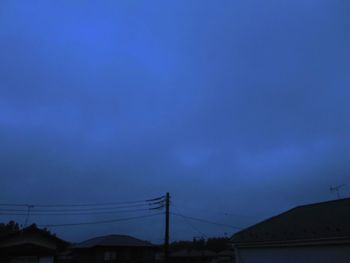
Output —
(326, 220)
(33, 229)
(30, 235)
(113, 241)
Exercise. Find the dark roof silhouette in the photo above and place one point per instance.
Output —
(44, 232)
(24, 235)
(113, 241)
(320, 221)
(33, 229)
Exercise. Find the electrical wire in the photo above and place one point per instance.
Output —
(74, 214)
(78, 209)
(188, 222)
(226, 213)
(100, 222)
(206, 221)
(16, 209)
(153, 200)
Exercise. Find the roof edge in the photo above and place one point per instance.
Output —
(295, 242)
(282, 214)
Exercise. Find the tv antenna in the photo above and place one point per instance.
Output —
(29, 208)
(336, 189)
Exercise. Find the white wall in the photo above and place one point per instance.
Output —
(319, 254)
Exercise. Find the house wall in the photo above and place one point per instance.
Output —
(26, 253)
(319, 254)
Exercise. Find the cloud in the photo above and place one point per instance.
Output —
(231, 107)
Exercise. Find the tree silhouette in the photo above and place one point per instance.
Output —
(9, 228)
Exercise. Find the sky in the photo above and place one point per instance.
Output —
(238, 108)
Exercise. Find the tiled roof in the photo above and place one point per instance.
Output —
(114, 241)
(308, 222)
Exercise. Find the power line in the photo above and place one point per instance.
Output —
(189, 223)
(72, 213)
(101, 222)
(72, 205)
(12, 209)
(226, 213)
(147, 201)
(206, 221)
(238, 215)
(156, 199)
(151, 206)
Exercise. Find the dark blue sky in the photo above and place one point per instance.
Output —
(238, 107)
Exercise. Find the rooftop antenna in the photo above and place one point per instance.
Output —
(336, 189)
(29, 208)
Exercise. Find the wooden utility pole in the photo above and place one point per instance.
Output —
(167, 219)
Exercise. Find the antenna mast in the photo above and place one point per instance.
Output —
(29, 208)
(336, 189)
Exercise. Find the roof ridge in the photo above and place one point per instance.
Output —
(103, 236)
(264, 221)
(301, 216)
(113, 238)
(324, 202)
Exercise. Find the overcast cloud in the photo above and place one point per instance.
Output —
(236, 107)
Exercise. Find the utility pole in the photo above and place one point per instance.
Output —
(167, 219)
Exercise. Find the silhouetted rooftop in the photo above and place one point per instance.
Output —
(113, 240)
(324, 220)
(34, 230)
